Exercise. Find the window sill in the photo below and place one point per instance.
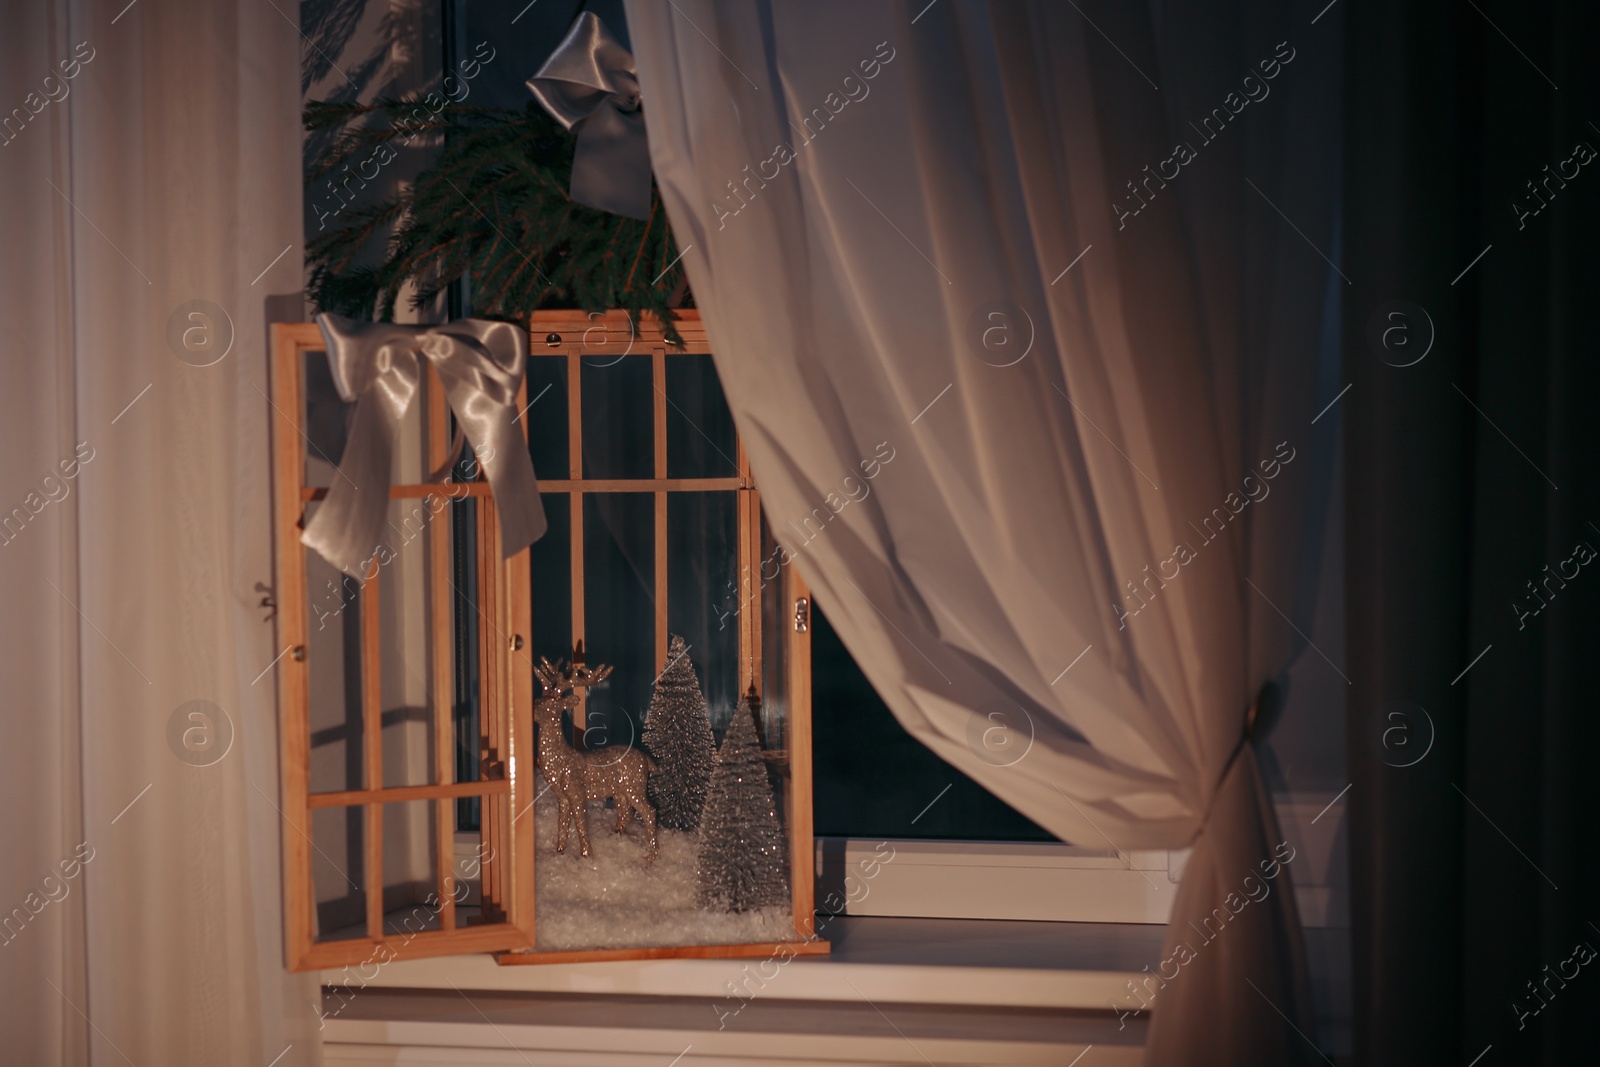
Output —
(992, 963)
(995, 991)
(447, 1030)
(961, 991)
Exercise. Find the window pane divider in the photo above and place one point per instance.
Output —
(492, 704)
(749, 536)
(519, 837)
(442, 638)
(299, 893)
(580, 707)
(397, 794)
(797, 768)
(658, 374)
(372, 738)
(460, 490)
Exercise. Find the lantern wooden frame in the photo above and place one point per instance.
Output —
(504, 600)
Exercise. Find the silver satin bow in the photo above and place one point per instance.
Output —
(589, 83)
(377, 365)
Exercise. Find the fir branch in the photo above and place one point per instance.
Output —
(491, 208)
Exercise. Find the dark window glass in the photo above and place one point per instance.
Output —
(465, 620)
(618, 418)
(619, 564)
(702, 591)
(872, 779)
(700, 436)
(546, 416)
(550, 573)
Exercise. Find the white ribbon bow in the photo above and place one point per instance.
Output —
(589, 83)
(377, 365)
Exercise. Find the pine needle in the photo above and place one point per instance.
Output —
(492, 208)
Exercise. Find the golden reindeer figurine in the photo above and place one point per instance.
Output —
(579, 777)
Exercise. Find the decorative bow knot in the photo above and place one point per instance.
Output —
(377, 365)
(589, 83)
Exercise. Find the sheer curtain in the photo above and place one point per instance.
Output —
(914, 233)
(153, 161)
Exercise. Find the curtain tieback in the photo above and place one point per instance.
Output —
(1259, 719)
(378, 365)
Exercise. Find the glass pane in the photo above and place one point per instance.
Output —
(872, 779)
(467, 624)
(703, 591)
(338, 876)
(777, 616)
(406, 654)
(618, 418)
(491, 870)
(547, 415)
(619, 611)
(333, 657)
(550, 570)
(700, 434)
(410, 868)
(616, 897)
(472, 857)
(326, 420)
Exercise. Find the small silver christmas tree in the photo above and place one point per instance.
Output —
(677, 731)
(743, 862)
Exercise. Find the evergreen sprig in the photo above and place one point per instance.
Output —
(492, 208)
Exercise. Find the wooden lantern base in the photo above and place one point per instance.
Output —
(814, 947)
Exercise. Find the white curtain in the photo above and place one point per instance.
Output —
(898, 223)
(152, 159)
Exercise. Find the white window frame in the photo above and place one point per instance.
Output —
(1044, 881)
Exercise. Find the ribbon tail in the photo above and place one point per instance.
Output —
(611, 164)
(486, 411)
(481, 366)
(516, 491)
(348, 525)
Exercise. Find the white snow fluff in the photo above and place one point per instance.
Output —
(614, 899)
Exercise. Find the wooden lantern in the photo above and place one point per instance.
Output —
(379, 762)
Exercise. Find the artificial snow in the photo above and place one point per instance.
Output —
(612, 898)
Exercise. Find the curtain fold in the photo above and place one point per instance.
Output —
(152, 162)
(914, 232)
